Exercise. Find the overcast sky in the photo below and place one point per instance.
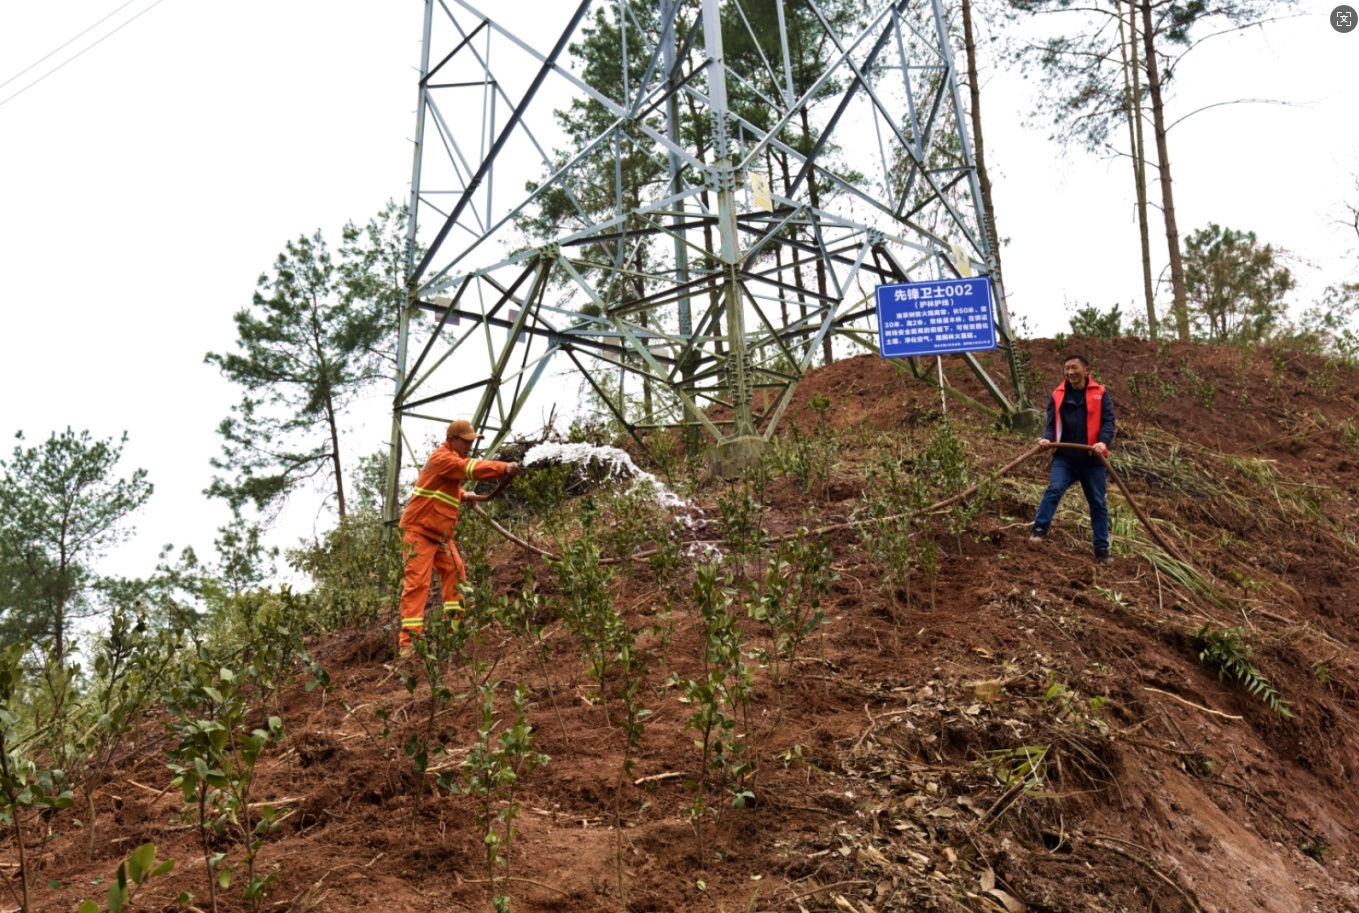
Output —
(149, 181)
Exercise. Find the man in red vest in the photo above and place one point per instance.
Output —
(431, 519)
(1079, 412)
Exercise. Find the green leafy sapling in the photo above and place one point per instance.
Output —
(133, 873)
(717, 698)
(131, 664)
(492, 773)
(214, 766)
(443, 642)
(24, 786)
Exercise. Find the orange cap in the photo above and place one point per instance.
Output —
(463, 428)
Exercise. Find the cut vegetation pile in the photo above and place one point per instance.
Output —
(901, 714)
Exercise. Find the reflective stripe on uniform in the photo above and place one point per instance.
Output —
(437, 495)
(471, 464)
(412, 622)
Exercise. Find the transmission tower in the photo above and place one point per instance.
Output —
(778, 192)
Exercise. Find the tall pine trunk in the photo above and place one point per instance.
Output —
(335, 454)
(974, 90)
(709, 244)
(1132, 88)
(1180, 305)
(815, 195)
(332, 421)
(797, 261)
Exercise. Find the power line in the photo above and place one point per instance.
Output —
(54, 50)
(79, 53)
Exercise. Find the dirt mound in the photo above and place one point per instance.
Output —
(1013, 728)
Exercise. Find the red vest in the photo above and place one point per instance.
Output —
(1094, 409)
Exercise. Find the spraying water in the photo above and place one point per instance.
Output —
(616, 463)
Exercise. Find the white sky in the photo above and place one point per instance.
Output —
(145, 186)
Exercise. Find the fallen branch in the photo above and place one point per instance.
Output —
(1154, 747)
(1188, 898)
(1176, 697)
(522, 880)
(829, 887)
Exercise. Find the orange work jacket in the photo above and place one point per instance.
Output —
(434, 506)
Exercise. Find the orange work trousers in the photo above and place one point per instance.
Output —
(424, 554)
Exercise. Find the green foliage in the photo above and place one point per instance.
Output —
(134, 872)
(244, 562)
(1317, 849)
(1092, 322)
(1024, 769)
(719, 698)
(586, 605)
(354, 566)
(947, 462)
(1328, 326)
(131, 663)
(267, 632)
(312, 339)
(890, 534)
(24, 786)
(1235, 285)
(790, 599)
(61, 507)
(443, 642)
(1228, 651)
(214, 765)
(494, 767)
(1149, 390)
(1205, 391)
(743, 515)
(1071, 708)
(808, 458)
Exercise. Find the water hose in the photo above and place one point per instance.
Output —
(850, 524)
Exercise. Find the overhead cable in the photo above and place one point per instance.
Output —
(77, 54)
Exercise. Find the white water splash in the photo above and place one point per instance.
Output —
(705, 551)
(617, 464)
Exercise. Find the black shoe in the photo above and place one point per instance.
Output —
(1037, 537)
(1102, 556)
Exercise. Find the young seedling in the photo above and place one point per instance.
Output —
(23, 786)
(492, 772)
(134, 872)
(718, 700)
(443, 641)
(520, 615)
(214, 765)
(131, 664)
(1228, 651)
(789, 602)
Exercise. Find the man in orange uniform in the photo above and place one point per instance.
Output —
(430, 520)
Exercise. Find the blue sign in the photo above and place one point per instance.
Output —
(935, 318)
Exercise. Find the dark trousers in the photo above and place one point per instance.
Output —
(1092, 477)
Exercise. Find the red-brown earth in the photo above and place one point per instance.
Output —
(885, 777)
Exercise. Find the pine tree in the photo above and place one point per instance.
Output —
(1105, 62)
(61, 507)
(1235, 284)
(318, 332)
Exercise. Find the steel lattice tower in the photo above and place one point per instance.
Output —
(775, 197)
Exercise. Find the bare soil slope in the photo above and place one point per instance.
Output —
(1032, 732)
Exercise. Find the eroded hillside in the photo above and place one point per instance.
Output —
(908, 711)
